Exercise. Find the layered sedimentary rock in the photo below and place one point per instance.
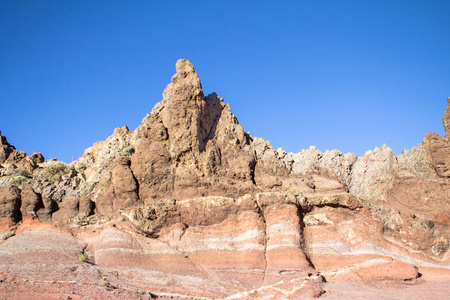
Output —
(191, 206)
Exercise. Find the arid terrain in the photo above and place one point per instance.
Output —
(191, 206)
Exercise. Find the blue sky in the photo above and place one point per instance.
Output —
(347, 75)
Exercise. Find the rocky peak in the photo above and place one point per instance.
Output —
(5, 148)
(3, 140)
(186, 113)
(185, 88)
(188, 140)
(17, 159)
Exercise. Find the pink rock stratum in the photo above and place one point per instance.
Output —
(190, 206)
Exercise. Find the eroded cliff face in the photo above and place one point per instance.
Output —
(191, 206)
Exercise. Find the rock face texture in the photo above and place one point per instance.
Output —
(190, 145)
(190, 206)
(6, 149)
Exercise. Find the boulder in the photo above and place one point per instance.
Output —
(31, 202)
(37, 157)
(68, 210)
(125, 185)
(85, 207)
(15, 157)
(9, 206)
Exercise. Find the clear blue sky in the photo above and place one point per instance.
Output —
(347, 75)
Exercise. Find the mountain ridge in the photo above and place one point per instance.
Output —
(190, 172)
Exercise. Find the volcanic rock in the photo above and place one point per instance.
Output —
(439, 152)
(191, 145)
(190, 206)
(5, 148)
(373, 174)
(124, 184)
(31, 202)
(85, 207)
(9, 207)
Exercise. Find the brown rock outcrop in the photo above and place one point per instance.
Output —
(5, 148)
(439, 152)
(191, 145)
(85, 207)
(31, 202)
(125, 185)
(67, 210)
(9, 207)
(45, 213)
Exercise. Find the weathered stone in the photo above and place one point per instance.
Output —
(5, 148)
(189, 143)
(85, 207)
(415, 162)
(67, 210)
(9, 205)
(439, 152)
(125, 185)
(37, 157)
(45, 214)
(15, 157)
(373, 174)
(284, 254)
(31, 202)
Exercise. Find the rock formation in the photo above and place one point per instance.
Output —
(6, 149)
(190, 206)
